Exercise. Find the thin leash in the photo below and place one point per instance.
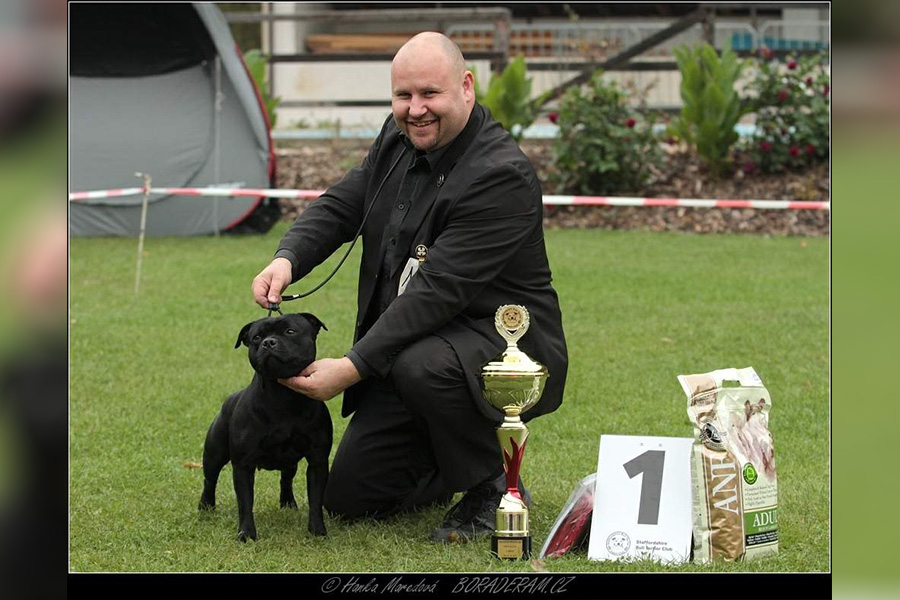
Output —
(286, 298)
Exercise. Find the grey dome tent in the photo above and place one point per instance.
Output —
(163, 89)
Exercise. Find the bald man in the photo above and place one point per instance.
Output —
(453, 232)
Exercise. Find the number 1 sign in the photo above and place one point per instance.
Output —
(642, 501)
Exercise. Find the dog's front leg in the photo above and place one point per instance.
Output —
(243, 488)
(316, 480)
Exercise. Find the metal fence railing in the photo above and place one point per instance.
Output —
(794, 35)
(586, 41)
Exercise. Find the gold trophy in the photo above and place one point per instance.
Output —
(512, 383)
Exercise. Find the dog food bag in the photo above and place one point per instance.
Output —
(735, 493)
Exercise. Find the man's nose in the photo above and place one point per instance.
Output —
(417, 107)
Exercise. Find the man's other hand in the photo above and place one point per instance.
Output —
(324, 379)
(271, 282)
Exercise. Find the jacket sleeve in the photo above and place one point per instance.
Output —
(486, 226)
(332, 219)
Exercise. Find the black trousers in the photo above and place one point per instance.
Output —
(415, 439)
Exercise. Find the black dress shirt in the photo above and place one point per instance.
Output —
(401, 187)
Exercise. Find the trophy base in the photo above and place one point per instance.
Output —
(511, 548)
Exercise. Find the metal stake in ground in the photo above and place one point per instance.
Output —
(140, 254)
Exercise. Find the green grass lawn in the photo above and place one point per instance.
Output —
(148, 375)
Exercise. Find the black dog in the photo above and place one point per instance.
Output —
(269, 426)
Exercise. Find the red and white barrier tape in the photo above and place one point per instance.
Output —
(105, 193)
(685, 202)
(548, 200)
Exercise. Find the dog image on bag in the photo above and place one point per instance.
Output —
(751, 434)
(269, 426)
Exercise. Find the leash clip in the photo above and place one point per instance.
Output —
(275, 308)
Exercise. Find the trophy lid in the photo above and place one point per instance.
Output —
(513, 379)
(513, 361)
(511, 322)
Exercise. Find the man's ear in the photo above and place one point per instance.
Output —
(314, 320)
(469, 86)
(242, 336)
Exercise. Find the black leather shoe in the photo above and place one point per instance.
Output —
(474, 516)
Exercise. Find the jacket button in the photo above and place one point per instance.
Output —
(393, 241)
(401, 206)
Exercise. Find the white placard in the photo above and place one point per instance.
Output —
(642, 501)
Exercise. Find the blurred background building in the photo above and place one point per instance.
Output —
(330, 63)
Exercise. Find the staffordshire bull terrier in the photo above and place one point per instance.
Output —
(269, 426)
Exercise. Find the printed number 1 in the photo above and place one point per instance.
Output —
(650, 463)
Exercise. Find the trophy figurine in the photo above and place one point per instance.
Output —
(512, 383)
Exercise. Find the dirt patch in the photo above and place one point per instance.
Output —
(316, 166)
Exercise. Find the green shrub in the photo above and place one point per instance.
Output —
(711, 107)
(256, 64)
(602, 148)
(792, 105)
(508, 97)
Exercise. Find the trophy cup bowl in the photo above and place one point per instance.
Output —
(512, 383)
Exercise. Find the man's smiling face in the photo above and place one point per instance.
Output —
(431, 98)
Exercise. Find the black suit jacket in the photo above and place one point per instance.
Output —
(480, 216)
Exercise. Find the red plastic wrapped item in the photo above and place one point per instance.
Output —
(574, 521)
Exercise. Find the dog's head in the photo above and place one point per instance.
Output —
(281, 347)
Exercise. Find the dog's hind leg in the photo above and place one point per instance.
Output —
(287, 487)
(215, 456)
(244, 478)
(316, 480)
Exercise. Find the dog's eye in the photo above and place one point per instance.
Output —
(290, 332)
(256, 338)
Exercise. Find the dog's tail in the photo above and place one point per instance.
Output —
(192, 465)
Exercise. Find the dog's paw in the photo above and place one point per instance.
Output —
(288, 503)
(317, 528)
(243, 536)
(206, 505)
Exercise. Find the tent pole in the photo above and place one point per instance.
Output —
(140, 254)
(218, 110)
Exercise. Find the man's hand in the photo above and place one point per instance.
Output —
(324, 379)
(271, 282)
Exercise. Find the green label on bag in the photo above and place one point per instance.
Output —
(760, 521)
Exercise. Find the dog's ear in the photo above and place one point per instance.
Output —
(314, 320)
(242, 336)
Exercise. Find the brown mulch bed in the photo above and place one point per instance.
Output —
(319, 165)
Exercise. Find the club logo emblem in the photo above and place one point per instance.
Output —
(618, 543)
